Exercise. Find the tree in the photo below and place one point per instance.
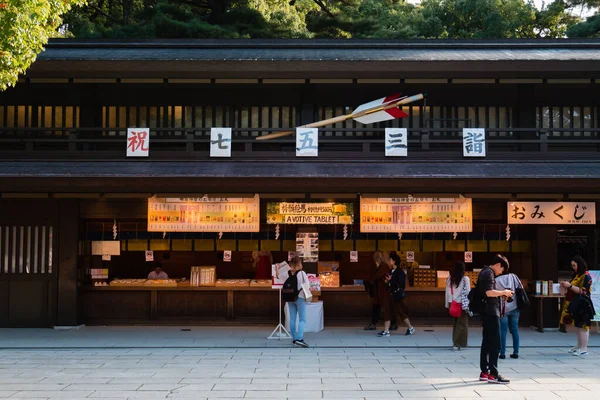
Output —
(25, 26)
(477, 19)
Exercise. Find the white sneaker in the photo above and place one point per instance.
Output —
(574, 350)
(455, 348)
(580, 353)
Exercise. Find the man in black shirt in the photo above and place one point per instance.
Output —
(490, 345)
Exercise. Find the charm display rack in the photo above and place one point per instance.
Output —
(280, 332)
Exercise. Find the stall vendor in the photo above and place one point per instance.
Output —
(158, 273)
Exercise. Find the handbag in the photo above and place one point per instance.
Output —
(455, 307)
(521, 295)
(307, 292)
(306, 288)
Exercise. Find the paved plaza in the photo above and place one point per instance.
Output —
(238, 362)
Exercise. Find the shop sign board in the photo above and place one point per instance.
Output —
(307, 142)
(310, 213)
(220, 142)
(138, 142)
(398, 215)
(204, 214)
(551, 213)
(307, 246)
(473, 142)
(396, 142)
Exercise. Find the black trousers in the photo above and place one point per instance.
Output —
(376, 314)
(490, 345)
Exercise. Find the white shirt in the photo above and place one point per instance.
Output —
(455, 293)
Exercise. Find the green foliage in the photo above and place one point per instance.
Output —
(477, 19)
(555, 19)
(25, 26)
(588, 29)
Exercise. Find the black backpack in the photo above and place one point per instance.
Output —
(476, 300)
(396, 286)
(290, 291)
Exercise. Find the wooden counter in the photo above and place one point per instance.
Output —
(207, 305)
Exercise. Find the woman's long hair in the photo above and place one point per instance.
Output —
(581, 265)
(458, 273)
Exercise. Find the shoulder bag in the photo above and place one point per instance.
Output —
(521, 294)
(455, 307)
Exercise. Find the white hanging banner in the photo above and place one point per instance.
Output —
(396, 142)
(473, 142)
(307, 142)
(220, 142)
(138, 142)
(550, 213)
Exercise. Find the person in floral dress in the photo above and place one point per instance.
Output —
(581, 283)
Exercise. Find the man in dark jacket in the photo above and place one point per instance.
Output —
(490, 345)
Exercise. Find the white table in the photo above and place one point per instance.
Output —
(314, 317)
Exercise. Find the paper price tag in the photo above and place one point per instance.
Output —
(227, 256)
(354, 256)
(149, 255)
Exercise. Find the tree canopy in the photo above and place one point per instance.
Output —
(25, 26)
(386, 19)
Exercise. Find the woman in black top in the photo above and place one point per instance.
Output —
(398, 284)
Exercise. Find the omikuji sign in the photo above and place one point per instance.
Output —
(551, 213)
(310, 213)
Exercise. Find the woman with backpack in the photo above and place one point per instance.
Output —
(398, 284)
(509, 321)
(297, 308)
(457, 289)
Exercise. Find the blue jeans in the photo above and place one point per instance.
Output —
(297, 308)
(510, 322)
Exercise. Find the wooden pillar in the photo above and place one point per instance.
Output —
(546, 268)
(68, 237)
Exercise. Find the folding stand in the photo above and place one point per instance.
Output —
(280, 332)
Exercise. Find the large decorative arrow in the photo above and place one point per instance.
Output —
(378, 110)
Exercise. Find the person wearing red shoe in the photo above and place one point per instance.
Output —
(490, 345)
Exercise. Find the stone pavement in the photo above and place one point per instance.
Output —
(76, 365)
(239, 336)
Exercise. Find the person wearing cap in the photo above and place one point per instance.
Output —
(158, 273)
